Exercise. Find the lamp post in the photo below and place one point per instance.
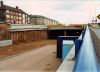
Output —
(96, 14)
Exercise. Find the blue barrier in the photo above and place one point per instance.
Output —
(83, 32)
(66, 47)
(86, 60)
(78, 42)
(59, 43)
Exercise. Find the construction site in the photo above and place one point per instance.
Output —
(39, 41)
(36, 43)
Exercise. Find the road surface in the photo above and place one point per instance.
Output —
(95, 33)
(39, 60)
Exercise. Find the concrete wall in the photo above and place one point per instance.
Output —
(5, 43)
(4, 31)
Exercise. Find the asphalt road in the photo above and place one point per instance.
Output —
(95, 33)
(39, 60)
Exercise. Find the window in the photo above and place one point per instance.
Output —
(16, 13)
(2, 20)
(28, 18)
(11, 12)
(0, 4)
(17, 17)
(23, 16)
(11, 16)
(19, 13)
(7, 16)
(7, 11)
(20, 22)
(12, 21)
(8, 20)
(23, 21)
(20, 17)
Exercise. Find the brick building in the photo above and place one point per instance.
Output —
(13, 15)
(41, 20)
(17, 16)
(23, 27)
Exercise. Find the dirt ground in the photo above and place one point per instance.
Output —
(22, 47)
(42, 59)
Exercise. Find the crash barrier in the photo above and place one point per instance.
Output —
(66, 47)
(78, 42)
(60, 42)
(86, 60)
(68, 63)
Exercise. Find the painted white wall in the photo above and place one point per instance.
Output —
(5, 43)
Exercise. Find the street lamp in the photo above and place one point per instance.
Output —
(96, 14)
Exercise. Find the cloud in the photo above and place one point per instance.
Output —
(67, 5)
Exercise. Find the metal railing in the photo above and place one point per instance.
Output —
(86, 60)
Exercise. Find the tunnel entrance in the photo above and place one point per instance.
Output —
(72, 32)
(53, 34)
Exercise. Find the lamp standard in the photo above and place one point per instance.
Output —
(96, 13)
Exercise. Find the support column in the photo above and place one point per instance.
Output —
(65, 33)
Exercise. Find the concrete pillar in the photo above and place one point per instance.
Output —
(65, 33)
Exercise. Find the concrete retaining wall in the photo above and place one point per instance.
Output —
(5, 43)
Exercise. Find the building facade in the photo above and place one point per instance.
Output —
(41, 20)
(13, 15)
(17, 16)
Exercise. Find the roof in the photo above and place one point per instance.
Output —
(38, 16)
(12, 9)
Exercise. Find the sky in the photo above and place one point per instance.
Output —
(64, 11)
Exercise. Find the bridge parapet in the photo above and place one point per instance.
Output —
(86, 60)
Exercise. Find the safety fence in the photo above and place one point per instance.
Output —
(84, 58)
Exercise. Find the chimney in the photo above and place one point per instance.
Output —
(16, 7)
(1, 2)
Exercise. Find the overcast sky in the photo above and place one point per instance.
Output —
(65, 11)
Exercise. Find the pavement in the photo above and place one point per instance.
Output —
(39, 60)
(18, 48)
(95, 33)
